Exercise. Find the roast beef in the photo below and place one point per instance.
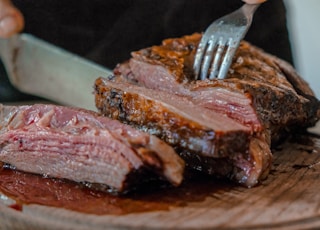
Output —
(82, 146)
(261, 79)
(221, 127)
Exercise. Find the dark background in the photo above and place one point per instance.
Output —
(106, 31)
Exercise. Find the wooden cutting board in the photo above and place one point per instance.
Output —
(288, 199)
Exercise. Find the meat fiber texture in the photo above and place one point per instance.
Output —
(220, 127)
(82, 146)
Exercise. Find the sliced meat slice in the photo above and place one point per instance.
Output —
(205, 139)
(257, 82)
(82, 146)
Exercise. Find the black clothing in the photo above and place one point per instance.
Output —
(106, 31)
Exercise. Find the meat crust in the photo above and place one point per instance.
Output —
(260, 102)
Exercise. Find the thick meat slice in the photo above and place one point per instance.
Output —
(207, 140)
(261, 92)
(82, 146)
(267, 82)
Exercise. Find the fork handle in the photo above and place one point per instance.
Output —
(248, 10)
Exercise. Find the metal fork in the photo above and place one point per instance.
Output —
(220, 41)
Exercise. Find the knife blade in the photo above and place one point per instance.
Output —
(42, 69)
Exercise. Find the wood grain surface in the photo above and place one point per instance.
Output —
(288, 199)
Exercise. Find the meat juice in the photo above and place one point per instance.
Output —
(26, 188)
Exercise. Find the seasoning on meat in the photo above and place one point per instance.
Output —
(221, 127)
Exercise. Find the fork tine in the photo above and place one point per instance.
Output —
(217, 58)
(207, 59)
(199, 56)
(226, 62)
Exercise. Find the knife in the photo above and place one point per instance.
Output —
(39, 68)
